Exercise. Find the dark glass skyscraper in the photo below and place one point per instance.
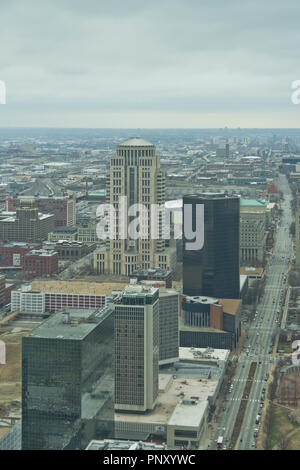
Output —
(68, 381)
(213, 270)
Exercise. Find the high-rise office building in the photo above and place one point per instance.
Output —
(62, 207)
(67, 380)
(213, 270)
(26, 224)
(135, 173)
(136, 348)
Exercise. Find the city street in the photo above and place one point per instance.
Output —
(261, 335)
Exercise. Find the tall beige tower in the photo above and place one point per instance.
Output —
(135, 173)
(136, 348)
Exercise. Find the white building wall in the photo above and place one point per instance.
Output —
(28, 302)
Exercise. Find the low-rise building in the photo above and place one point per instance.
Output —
(187, 390)
(12, 254)
(70, 250)
(165, 275)
(253, 274)
(67, 232)
(38, 263)
(34, 302)
(86, 231)
(210, 322)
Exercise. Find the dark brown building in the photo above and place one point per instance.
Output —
(12, 254)
(73, 250)
(41, 263)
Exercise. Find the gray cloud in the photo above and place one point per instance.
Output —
(79, 63)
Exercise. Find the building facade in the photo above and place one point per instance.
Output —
(154, 275)
(62, 207)
(168, 326)
(67, 381)
(86, 231)
(135, 173)
(213, 270)
(253, 234)
(27, 301)
(39, 263)
(66, 232)
(70, 250)
(27, 224)
(12, 254)
(210, 322)
(136, 348)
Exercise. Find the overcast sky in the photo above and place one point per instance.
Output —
(149, 63)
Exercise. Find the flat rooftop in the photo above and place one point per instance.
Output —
(19, 244)
(66, 228)
(41, 253)
(252, 202)
(230, 305)
(151, 272)
(51, 198)
(200, 354)
(170, 398)
(138, 289)
(165, 291)
(56, 328)
(78, 287)
(188, 415)
(118, 444)
(251, 270)
(201, 299)
(12, 217)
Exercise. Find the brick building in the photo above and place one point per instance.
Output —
(41, 263)
(12, 254)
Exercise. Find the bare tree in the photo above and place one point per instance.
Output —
(268, 425)
(283, 443)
